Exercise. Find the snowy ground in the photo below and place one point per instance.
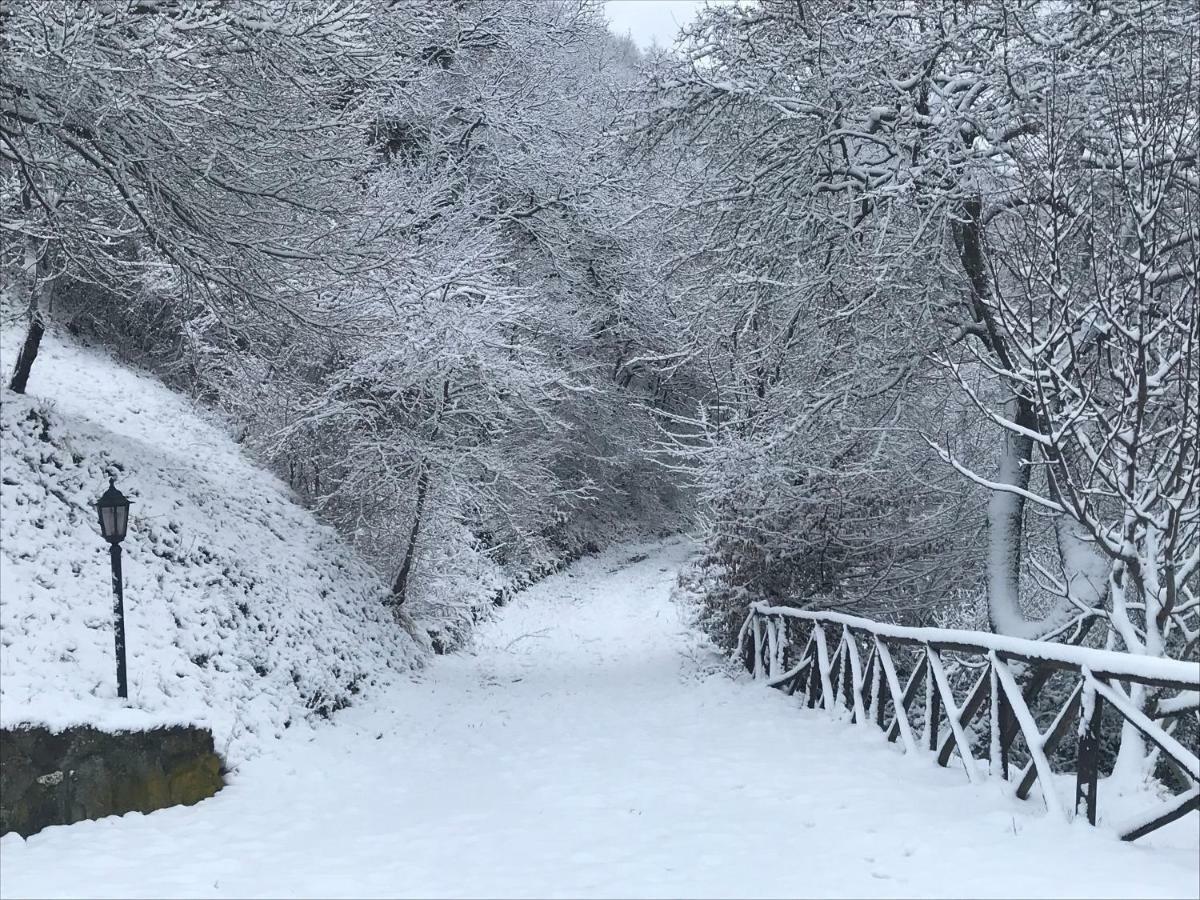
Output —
(591, 746)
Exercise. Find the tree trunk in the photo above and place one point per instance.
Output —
(1006, 510)
(1085, 568)
(1006, 525)
(29, 352)
(400, 587)
(41, 287)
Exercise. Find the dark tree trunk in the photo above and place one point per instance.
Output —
(1006, 510)
(400, 587)
(40, 293)
(29, 352)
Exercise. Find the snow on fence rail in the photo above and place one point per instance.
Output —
(879, 687)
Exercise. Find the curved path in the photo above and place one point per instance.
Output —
(591, 745)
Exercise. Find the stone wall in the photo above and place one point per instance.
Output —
(55, 778)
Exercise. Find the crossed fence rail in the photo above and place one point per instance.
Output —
(874, 673)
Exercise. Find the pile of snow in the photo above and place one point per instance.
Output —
(243, 613)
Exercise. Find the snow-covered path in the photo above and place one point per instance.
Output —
(590, 745)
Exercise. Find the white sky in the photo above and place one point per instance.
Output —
(650, 21)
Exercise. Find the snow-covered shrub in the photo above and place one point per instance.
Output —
(836, 521)
(454, 585)
(713, 603)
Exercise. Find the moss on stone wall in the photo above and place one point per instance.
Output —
(55, 778)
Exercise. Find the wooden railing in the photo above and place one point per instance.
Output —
(874, 674)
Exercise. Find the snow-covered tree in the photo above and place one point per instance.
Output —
(393, 240)
(203, 152)
(930, 165)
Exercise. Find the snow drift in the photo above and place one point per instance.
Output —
(243, 612)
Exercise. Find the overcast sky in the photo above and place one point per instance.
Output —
(650, 21)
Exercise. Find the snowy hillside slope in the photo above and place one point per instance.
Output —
(243, 612)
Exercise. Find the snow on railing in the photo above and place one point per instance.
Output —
(860, 676)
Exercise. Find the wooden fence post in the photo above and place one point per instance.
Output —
(757, 638)
(1087, 763)
(933, 706)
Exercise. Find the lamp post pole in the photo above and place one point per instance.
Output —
(113, 507)
(114, 553)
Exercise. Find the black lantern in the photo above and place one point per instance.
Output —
(113, 507)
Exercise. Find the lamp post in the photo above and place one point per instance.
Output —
(113, 507)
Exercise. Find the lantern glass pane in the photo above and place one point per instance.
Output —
(122, 521)
(108, 521)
